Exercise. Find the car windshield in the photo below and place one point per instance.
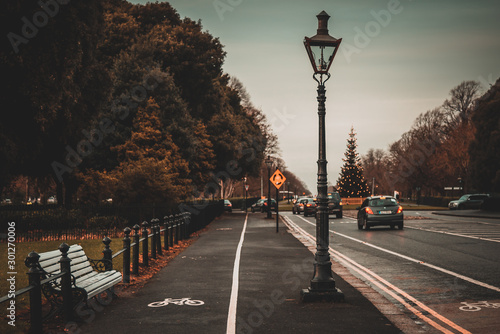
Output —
(464, 198)
(383, 202)
(334, 196)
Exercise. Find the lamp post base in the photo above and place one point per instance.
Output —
(311, 295)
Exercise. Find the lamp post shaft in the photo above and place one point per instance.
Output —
(322, 284)
(269, 216)
(322, 273)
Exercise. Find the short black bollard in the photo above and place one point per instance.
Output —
(107, 254)
(171, 230)
(181, 232)
(126, 255)
(34, 277)
(188, 224)
(135, 253)
(153, 239)
(65, 263)
(177, 229)
(145, 249)
(165, 233)
(158, 238)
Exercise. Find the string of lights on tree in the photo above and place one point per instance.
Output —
(351, 182)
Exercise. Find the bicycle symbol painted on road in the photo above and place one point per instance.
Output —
(474, 307)
(178, 301)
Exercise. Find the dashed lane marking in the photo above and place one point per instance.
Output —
(412, 304)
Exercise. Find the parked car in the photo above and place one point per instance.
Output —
(228, 206)
(298, 206)
(261, 205)
(335, 204)
(380, 210)
(469, 201)
(7, 201)
(309, 207)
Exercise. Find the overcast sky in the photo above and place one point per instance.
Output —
(397, 60)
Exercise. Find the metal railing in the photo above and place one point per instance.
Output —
(174, 228)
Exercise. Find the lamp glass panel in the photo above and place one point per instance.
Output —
(322, 56)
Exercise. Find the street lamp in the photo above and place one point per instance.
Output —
(245, 191)
(288, 193)
(269, 164)
(321, 50)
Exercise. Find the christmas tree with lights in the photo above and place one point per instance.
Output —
(351, 182)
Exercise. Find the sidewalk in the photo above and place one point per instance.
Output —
(274, 267)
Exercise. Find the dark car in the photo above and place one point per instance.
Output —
(228, 206)
(380, 210)
(261, 205)
(470, 201)
(335, 204)
(298, 206)
(309, 207)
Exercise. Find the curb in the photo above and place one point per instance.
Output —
(449, 214)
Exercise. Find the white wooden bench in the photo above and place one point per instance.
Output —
(89, 277)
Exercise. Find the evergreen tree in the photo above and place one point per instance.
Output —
(351, 182)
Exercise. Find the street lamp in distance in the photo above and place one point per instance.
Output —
(269, 164)
(321, 49)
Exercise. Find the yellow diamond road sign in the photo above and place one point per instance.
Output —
(278, 179)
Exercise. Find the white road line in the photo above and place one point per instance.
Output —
(446, 271)
(233, 303)
(388, 288)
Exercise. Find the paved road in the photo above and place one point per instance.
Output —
(429, 269)
(241, 276)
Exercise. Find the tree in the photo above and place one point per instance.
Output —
(52, 83)
(376, 168)
(484, 149)
(351, 182)
(460, 106)
(150, 168)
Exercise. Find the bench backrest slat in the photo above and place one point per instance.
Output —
(80, 264)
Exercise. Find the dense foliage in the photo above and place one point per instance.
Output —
(122, 101)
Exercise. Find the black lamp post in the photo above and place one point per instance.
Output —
(269, 164)
(321, 50)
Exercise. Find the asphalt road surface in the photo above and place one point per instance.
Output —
(444, 272)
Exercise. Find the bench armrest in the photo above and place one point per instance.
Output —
(101, 265)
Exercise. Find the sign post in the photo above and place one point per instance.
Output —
(278, 179)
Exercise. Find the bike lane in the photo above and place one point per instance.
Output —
(203, 272)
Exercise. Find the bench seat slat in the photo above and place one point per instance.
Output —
(85, 276)
(100, 282)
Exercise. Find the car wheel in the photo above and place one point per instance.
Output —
(339, 215)
(400, 225)
(392, 226)
(253, 210)
(366, 226)
(305, 214)
(360, 226)
(293, 211)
